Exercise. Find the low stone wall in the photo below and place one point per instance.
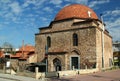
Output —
(67, 73)
(85, 71)
(40, 75)
(75, 72)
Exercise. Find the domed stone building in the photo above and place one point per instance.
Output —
(75, 39)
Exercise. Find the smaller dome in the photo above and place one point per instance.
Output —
(76, 11)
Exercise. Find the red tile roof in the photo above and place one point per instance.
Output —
(1, 54)
(17, 55)
(27, 48)
(23, 52)
(75, 11)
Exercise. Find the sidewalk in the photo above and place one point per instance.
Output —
(17, 78)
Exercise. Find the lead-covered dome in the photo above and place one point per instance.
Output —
(76, 11)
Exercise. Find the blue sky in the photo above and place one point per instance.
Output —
(20, 19)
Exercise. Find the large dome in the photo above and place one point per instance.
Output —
(76, 11)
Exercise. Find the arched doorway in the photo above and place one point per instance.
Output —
(75, 62)
(75, 59)
(57, 64)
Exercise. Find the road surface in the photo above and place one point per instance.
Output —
(8, 77)
(113, 75)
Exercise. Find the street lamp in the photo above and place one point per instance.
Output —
(46, 57)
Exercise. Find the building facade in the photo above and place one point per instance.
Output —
(116, 53)
(23, 58)
(74, 40)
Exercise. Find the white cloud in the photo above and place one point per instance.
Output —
(43, 18)
(26, 4)
(30, 15)
(56, 2)
(8, 15)
(113, 24)
(5, 1)
(33, 2)
(15, 7)
(112, 21)
(114, 28)
(48, 9)
(96, 2)
(115, 33)
(40, 2)
(81, 1)
(4, 8)
(14, 15)
(11, 17)
(112, 13)
(78, 1)
(66, 5)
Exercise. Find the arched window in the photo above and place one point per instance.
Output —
(75, 39)
(48, 42)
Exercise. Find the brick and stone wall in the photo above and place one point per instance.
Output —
(108, 52)
(14, 64)
(32, 58)
(89, 47)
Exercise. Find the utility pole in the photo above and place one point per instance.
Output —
(103, 29)
(23, 48)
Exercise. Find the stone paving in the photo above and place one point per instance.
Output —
(113, 75)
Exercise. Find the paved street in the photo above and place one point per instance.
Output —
(8, 77)
(101, 76)
(113, 75)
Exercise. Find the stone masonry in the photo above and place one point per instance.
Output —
(63, 55)
(89, 44)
